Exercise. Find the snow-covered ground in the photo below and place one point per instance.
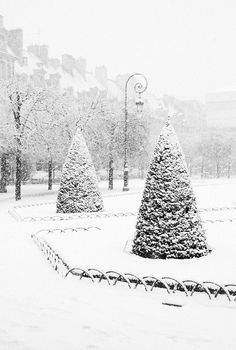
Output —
(41, 310)
(105, 250)
(210, 193)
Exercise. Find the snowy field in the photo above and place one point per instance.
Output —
(104, 250)
(41, 310)
(210, 193)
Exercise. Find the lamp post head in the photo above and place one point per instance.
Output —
(139, 103)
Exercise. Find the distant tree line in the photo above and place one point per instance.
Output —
(37, 126)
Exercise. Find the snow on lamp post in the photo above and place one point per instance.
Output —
(139, 88)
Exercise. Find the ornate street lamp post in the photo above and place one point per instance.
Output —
(139, 88)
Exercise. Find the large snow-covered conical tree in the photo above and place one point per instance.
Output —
(78, 190)
(168, 224)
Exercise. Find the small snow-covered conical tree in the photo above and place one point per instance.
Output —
(78, 190)
(168, 224)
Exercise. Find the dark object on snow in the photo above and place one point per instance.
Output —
(168, 224)
(171, 304)
(78, 189)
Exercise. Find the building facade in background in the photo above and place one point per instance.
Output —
(10, 49)
(34, 65)
(221, 109)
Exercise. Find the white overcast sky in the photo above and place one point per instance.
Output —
(184, 47)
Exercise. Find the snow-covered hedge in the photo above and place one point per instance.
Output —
(78, 190)
(168, 224)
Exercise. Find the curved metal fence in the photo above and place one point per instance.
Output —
(97, 215)
(149, 283)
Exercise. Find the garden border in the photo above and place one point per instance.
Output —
(96, 215)
(171, 285)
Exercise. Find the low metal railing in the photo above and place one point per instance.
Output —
(188, 286)
(96, 215)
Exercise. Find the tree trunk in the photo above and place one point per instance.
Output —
(3, 180)
(18, 174)
(50, 173)
(17, 117)
(110, 175)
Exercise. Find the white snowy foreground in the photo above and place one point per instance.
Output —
(41, 310)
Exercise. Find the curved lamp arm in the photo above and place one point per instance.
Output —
(139, 87)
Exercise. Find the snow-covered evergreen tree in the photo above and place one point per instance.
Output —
(78, 189)
(168, 224)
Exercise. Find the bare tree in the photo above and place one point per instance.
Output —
(21, 100)
(54, 121)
